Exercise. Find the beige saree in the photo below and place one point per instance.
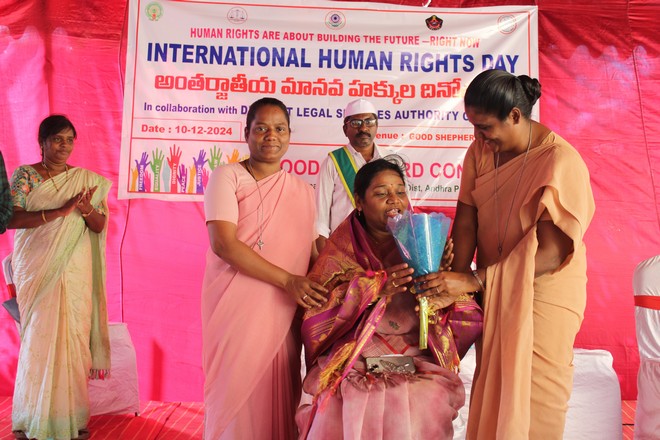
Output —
(59, 273)
(524, 362)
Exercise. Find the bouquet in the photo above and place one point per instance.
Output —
(421, 240)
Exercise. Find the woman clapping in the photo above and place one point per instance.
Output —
(58, 262)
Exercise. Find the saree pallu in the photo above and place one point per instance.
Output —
(251, 337)
(59, 273)
(355, 323)
(524, 371)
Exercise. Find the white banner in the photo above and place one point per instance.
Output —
(193, 69)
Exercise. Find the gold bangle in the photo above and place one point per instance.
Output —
(481, 283)
(43, 215)
(89, 213)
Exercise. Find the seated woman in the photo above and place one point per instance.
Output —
(360, 390)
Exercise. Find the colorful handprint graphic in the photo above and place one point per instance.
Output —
(141, 168)
(199, 162)
(214, 160)
(183, 178)
(173, 162)
(157, 157)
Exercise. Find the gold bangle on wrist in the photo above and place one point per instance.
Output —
(89, 213)
(43, 215)
(482, 286)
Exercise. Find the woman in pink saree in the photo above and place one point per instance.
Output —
(368, 376)
(260, 221)
(60, 213)
(524, 205)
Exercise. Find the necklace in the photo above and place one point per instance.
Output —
(66, 179)
(515, 192)
(260, 208)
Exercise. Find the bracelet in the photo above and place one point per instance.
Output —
(43, 215)
(89, 213)
(481, 283)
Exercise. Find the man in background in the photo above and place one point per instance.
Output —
(334, 187)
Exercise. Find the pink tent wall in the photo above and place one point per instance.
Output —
(600, 71)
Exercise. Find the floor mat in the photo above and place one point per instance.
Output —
(185, 420)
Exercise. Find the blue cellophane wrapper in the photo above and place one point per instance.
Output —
(421, 241)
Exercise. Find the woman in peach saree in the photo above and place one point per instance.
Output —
(525, 204)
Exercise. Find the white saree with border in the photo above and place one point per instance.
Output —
(59, 273)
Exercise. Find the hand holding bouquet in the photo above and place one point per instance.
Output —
(421, 240)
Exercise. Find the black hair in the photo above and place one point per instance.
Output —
(497, 92)
(366, 174)
(52, 125)
(256, 105)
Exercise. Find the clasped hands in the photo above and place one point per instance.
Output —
(81, 201)
(439, 287)
(442, 288)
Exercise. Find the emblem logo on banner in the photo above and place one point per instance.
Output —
(154, 11)
(237, 15)
(335, 20)
(434, 22)
(507, 24)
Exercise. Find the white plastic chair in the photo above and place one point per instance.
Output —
(9, 275)
(646, 286)
(10, 304)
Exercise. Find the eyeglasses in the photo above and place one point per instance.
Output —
(61, 140)
(357, 123)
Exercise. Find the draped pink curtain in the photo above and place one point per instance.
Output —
(600, 72)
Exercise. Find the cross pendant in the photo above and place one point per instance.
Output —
(260, 244)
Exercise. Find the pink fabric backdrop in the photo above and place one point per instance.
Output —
(599, 67)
